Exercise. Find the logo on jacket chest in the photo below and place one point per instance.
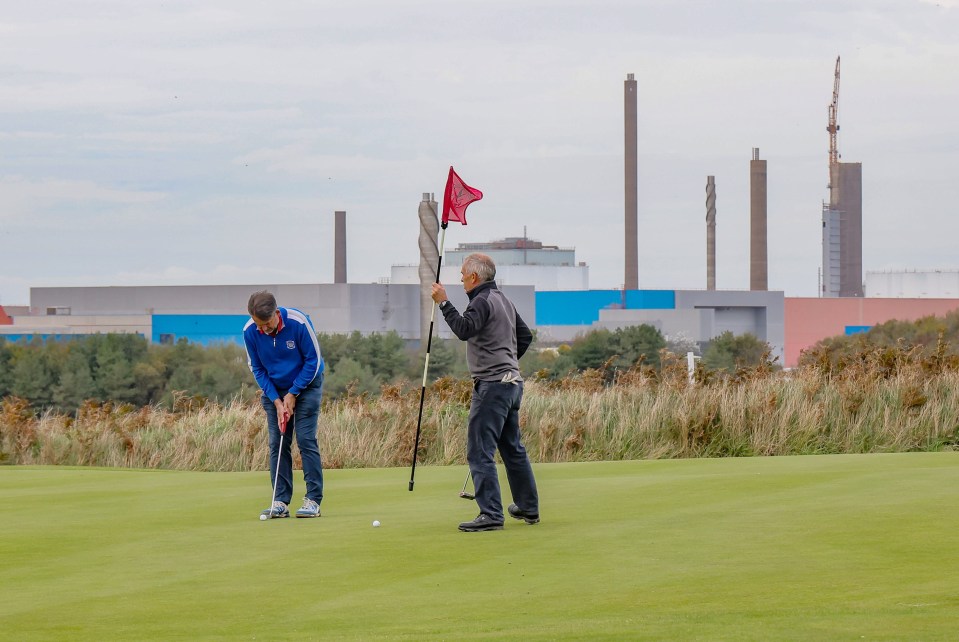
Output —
(290, 345)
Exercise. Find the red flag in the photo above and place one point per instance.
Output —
(457, 197)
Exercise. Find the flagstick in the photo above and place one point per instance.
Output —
(426, 363)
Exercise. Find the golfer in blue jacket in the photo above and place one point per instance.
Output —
(284, 356)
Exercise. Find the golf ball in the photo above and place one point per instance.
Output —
(263, 518)
(376, 523)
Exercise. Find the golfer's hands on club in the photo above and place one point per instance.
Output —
(439, 293)
(284, 410)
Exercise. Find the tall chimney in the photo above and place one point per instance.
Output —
(429, 259)
(339, 246)
(710, 232)
(758, 260)
(631, 281)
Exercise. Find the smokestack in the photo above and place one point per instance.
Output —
(429, 259)
(758, 260)
(631, 281)
(710, 232)
(339, 247)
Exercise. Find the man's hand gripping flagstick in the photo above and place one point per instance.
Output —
(456, 198)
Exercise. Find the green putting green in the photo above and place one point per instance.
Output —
(816, 547)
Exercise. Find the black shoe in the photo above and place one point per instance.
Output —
(519, 513)
(482, 522)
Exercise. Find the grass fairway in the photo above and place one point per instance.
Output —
(820, 548)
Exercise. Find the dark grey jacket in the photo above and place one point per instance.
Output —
(496, 336)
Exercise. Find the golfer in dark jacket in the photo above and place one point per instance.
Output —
(496, 337)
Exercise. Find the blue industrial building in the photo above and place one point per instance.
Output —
(581, 308)
(205, 329)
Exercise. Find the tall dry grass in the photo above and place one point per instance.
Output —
(899, 400)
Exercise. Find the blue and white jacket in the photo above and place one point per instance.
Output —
(289, 360)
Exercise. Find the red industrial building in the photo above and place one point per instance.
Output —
(808, 320)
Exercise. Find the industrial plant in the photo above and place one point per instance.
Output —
(549, 285)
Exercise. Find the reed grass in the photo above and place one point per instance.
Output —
(881, 402)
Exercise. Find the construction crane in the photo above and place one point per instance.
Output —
(833, 126)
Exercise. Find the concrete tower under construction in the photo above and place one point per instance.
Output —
(845, 211)
(842, 216)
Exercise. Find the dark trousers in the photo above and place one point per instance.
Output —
(494, 425)
(302, 427)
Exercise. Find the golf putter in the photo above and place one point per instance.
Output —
(276, 475)
(463, 492)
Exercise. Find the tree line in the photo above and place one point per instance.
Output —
(122, 368)
(126, 368)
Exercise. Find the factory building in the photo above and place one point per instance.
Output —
(208, 313)
(211, 314)
(914, 284)
(519, 261)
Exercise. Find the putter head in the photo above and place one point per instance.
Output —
(466, 495)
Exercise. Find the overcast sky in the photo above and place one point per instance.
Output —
(175, 142)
